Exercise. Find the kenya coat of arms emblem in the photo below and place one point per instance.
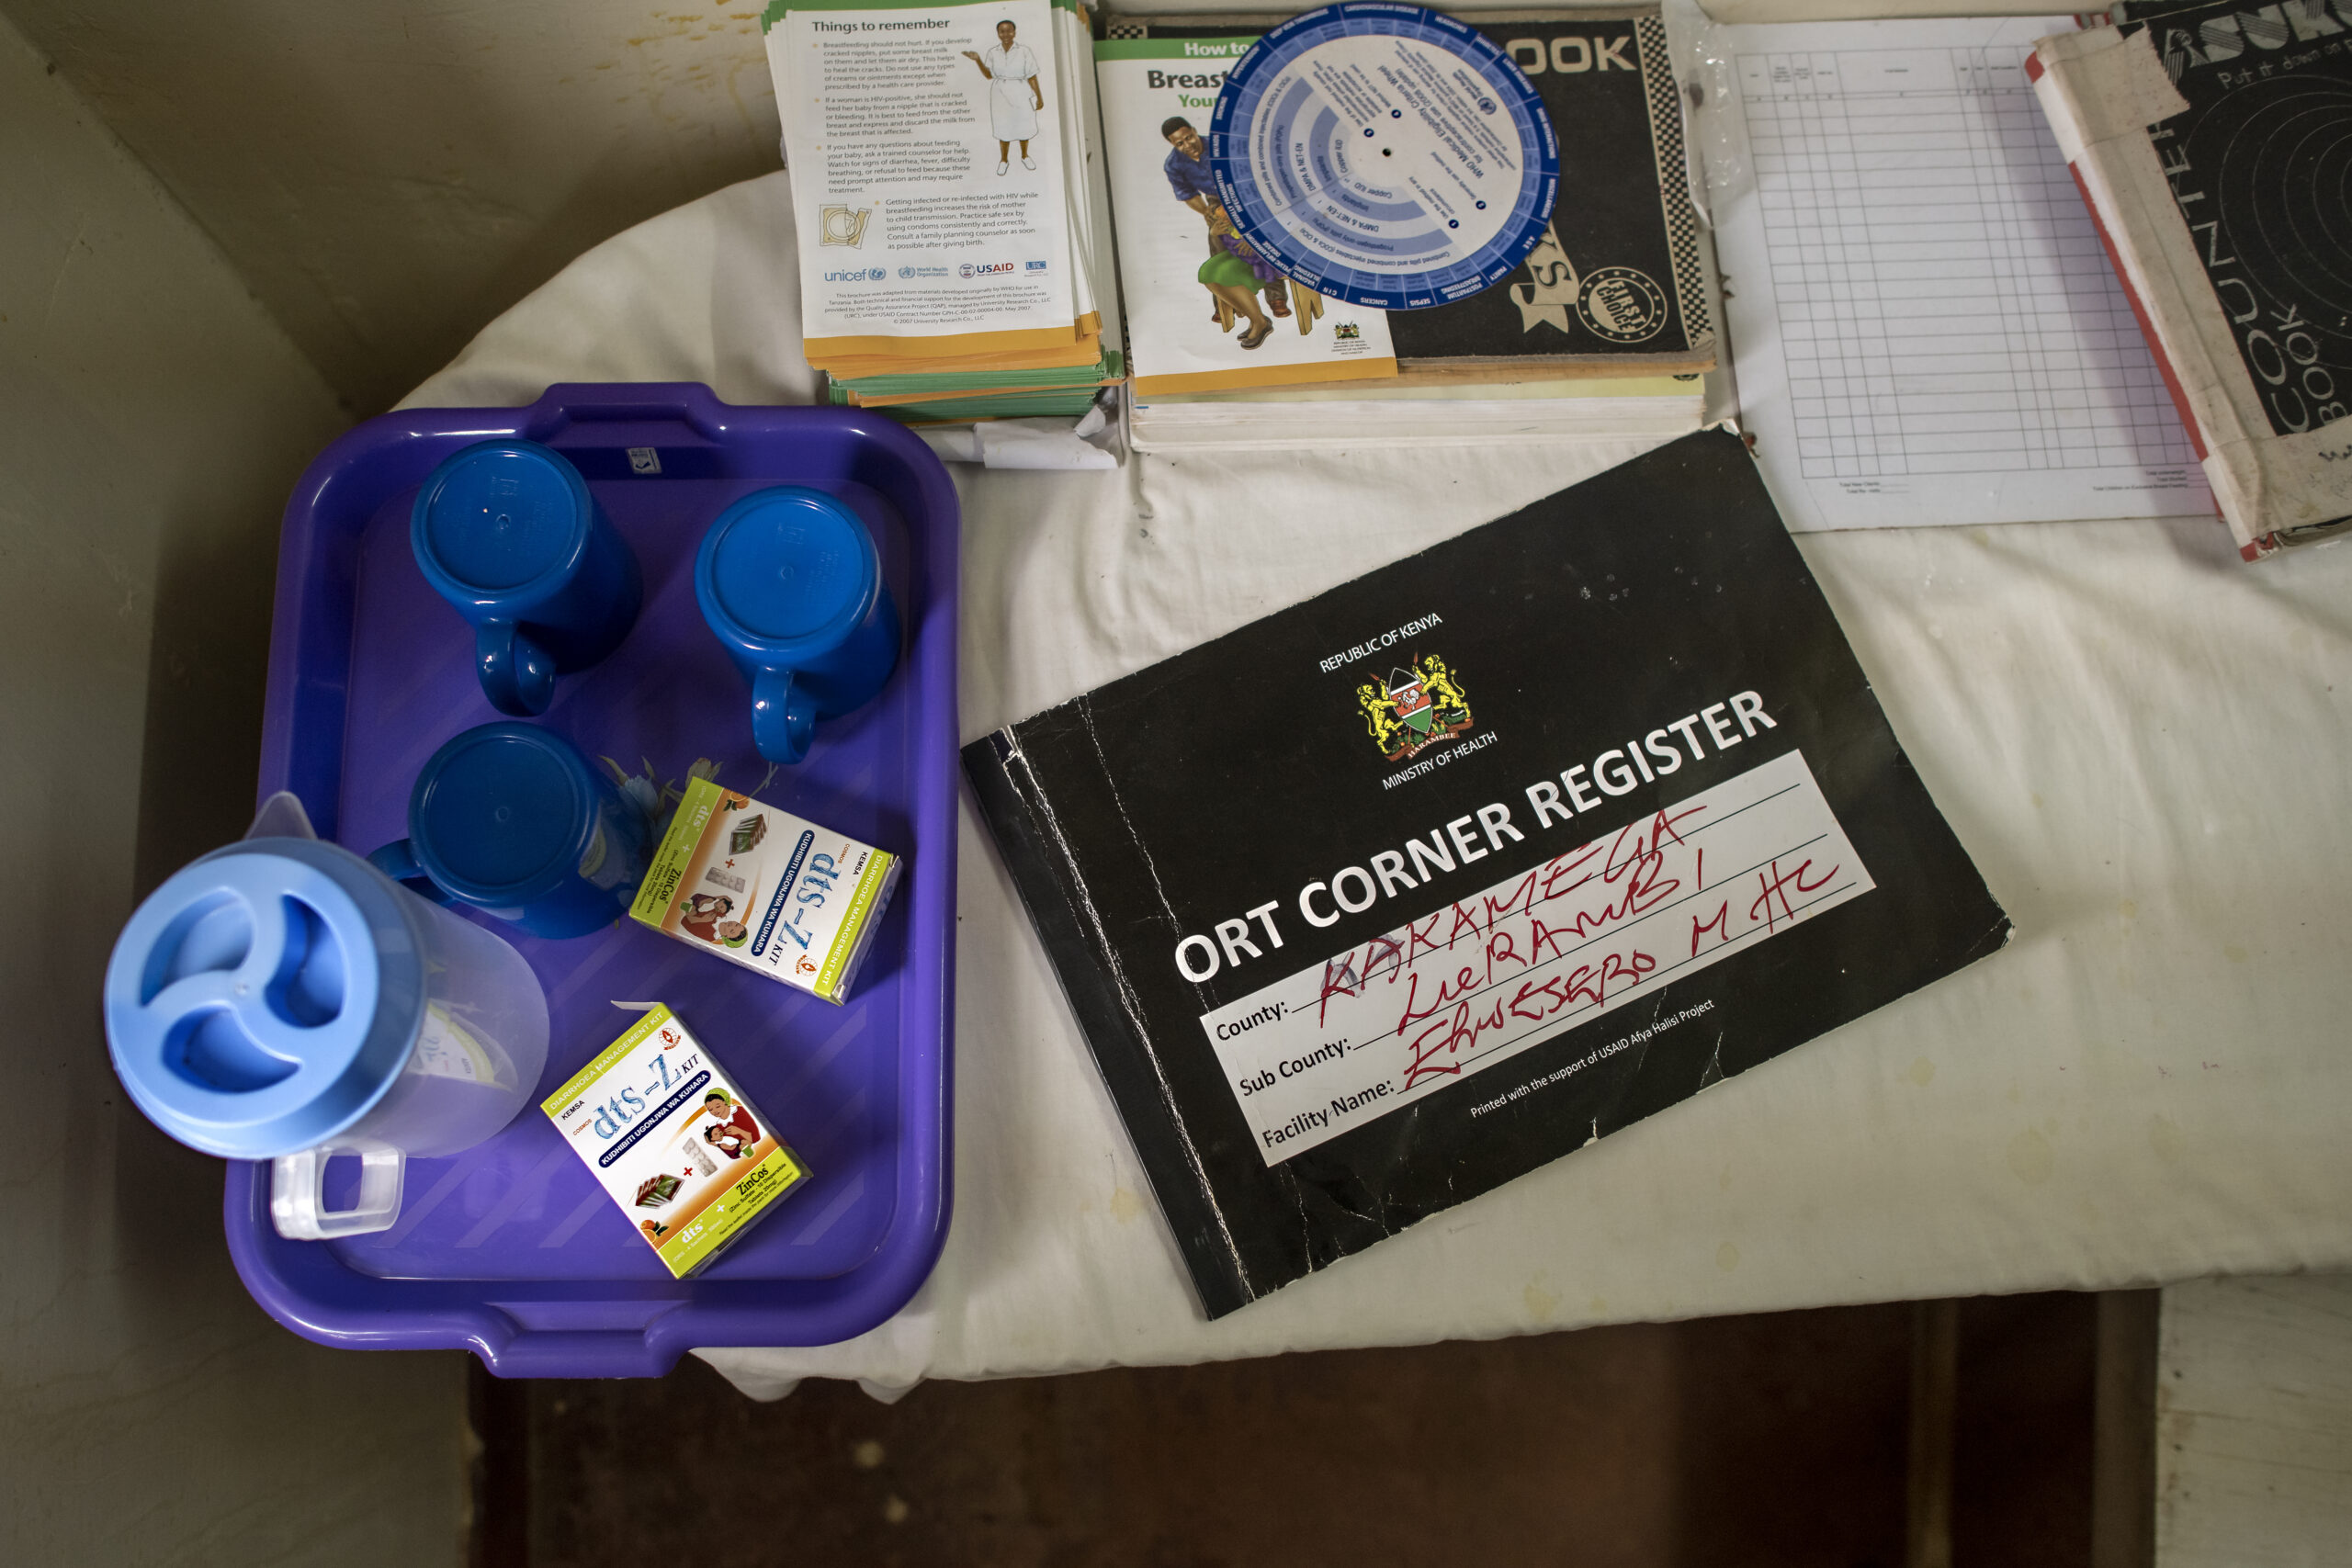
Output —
(1418, 706)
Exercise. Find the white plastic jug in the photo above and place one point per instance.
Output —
(282, 1000)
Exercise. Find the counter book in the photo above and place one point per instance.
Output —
(1376, 903)
(2213, 145)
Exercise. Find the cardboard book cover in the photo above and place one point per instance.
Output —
(1396, 895)
(2214, 144)
(1620, 280)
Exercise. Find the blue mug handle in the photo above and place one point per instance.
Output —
(398, 860)
(518, 674)
(783, 717)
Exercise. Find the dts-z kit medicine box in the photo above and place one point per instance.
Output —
(673, 1142)
(776, 894)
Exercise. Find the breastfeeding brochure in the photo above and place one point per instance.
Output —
(927, 176)
(1206, 312)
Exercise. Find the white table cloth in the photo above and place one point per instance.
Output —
(2142, 741)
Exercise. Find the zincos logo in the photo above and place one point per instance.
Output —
(859, 274)
(984, 269)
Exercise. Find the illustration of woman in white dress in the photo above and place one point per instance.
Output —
(1015, 97)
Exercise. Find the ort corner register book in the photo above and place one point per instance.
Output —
(1379, 902)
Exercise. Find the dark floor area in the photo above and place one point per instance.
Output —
(1786, 1439)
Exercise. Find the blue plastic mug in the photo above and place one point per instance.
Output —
(507, 532)
(790, 581)
(510, 820)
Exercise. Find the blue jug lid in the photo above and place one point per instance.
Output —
(265, 997)
(498, 516)
(502, 813)
(790, 567)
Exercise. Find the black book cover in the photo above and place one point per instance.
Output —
(1619, 274)
(2260, 165)
(1383, 900)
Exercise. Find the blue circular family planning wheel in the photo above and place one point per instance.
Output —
(1384, 155)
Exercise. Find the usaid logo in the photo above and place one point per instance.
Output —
(984, 269)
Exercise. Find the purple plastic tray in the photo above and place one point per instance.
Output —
(510, 1248)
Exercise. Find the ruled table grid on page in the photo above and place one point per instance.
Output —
(1945, 304)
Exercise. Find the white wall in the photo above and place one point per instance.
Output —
(388, 176)
(152, 419)
(2253, 1426)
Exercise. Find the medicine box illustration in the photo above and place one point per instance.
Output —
(673, 1142)
(768, 890)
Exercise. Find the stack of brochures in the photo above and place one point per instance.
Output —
(1605, 331)
(954, 231)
